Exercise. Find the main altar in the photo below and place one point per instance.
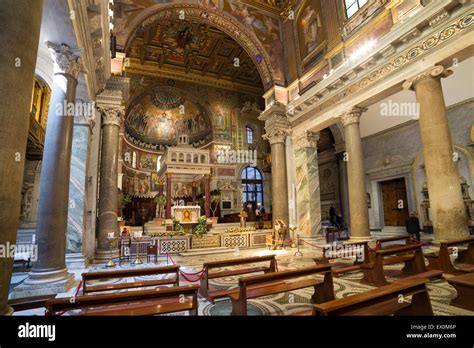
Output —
(186, 214)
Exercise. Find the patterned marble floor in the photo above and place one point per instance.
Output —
(281, 304)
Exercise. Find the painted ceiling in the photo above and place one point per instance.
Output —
(160, 115)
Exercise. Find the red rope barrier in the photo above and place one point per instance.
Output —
(313, 245)
(79, 286)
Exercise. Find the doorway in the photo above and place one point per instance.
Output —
(395, 203)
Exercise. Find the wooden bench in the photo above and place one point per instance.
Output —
(204, 290)
(381, 301)
(411, 255)
(441, 260)
(275, 283)
(25, 303)
(125, 273)
(130, 303)
(464, 285)
(354, 267)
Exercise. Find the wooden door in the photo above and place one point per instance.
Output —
(395, 205)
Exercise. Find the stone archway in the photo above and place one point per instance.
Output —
(217, 18)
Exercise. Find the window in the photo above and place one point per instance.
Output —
(134, 159)
(252, 187)
(249, 135)
(352, 6)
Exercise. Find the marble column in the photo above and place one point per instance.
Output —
(168, 196)
(79, 230)
(49, 274)
(359, 213)
(277, 128)
(112, 117)
(21, 22)
(308, 204)
(447, 210)
(207, 195)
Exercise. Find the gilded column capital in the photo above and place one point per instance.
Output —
(66, 60)
(112, 116)
(437, 72)
(352, 115)
(307, 139)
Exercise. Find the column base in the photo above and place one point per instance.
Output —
(76, 261)
(44, 283)
(102, 256)
(360, 239)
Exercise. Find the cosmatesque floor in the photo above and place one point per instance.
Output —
(281, 304)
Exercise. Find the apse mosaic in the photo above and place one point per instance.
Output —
(163, 114)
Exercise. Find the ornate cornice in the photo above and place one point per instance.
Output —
(352, 115)
(436, 72)
(308, 139)
(66, 60)
(112, 116)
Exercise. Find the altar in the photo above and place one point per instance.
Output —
(186, 214)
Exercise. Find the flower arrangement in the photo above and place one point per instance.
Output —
(240, 229)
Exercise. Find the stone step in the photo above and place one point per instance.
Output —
(207, 251)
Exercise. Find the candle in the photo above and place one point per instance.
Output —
(110, 235)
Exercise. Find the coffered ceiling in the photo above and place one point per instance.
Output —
(187, 48)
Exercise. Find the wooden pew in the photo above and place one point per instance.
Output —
(275, 283)
(381, 301)
(204, 290)
(411, 255)
(441, 259)
(130, 303)
(25, 303)
(464, 285)
(354, 267)
(125, 273)
(380, 242)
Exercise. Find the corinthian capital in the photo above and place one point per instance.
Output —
(112, 116)
(352, 115)
(436, 72)
(66, 60)
(275, 136)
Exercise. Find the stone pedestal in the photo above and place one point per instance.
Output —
(359, 214)
(277, 128)
(307, 185)
(21, 22)
(112, 116)
(49, 274)
(447, 210)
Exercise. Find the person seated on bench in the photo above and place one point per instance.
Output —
(213, 295)
(274, 283)
(386, 300)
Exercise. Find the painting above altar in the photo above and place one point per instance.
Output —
(186, 214)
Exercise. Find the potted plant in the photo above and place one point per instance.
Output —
(201, 227)
(160, 200)
(178, 228)
(215, 201)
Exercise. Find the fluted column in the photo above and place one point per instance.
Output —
(207, 195)
(49, 273)
(20, 22)
(112, 117)
(447, 211)
(359, 214)
(277, 128)
(307, 185)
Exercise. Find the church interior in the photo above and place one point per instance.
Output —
(237, 157)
